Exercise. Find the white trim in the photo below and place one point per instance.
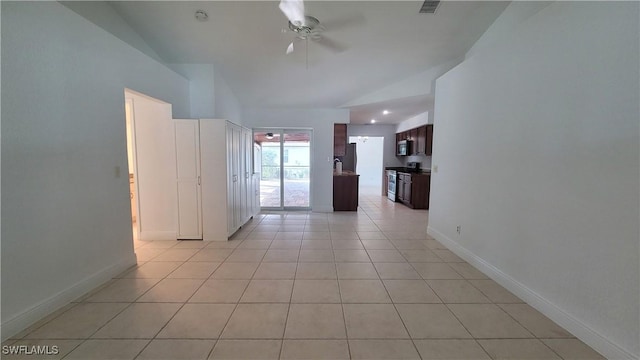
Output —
(572, 324)
(33, 314)
(158, 235)
(134, 155)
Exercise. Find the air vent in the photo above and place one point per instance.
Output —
(429, 7)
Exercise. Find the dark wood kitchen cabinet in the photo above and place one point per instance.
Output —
(345, 191)
(429, 142)
(421, 140)
(339, 139)
(413, 190)
(400, 187)
(413, 136)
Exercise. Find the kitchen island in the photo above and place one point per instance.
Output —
(345, 191)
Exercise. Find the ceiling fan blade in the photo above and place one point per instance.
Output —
(344, 22)
(290, 48)
(293, 10)
(331, 44)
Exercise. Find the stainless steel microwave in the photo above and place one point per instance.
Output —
(404, 147)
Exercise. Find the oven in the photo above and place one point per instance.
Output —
(392, 176)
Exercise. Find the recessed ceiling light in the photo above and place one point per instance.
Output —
(202, 15)
(385, 112)
(373, 121)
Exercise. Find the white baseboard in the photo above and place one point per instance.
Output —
(579, 329)
(29, 316)
(158, 235)
(322, 209)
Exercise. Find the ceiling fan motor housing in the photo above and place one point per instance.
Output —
(308, 28)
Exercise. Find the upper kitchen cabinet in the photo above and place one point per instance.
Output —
(429, 141)
(422, 138)
(413, 134)
(425, 140)
(339, 139)
(413, 137)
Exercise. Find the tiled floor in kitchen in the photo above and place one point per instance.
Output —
(365, 285)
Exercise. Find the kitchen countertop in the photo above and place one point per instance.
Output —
(410, 171)
(345, 173)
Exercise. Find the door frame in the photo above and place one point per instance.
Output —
(281, 131)
(131, 128)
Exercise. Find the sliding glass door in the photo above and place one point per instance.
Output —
(285, 168)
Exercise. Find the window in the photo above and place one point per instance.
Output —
(285, 158)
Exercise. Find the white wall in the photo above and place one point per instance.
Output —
(321, 121)
(210, 94)
(370, 152)
(226, 103)
(418, 84)
(102, 13)
(156, 169)
(65, 211)
(414, 122)
(388, 132)
(537, 144)
(201, 88)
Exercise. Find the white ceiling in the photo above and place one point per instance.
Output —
(399, 110)
(388, 41)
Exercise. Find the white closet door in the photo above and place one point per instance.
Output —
(187, 142)
(237, 170)
(233, 171)
(247, 197)
(243, 181)
(231, 176)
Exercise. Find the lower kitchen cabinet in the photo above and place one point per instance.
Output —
(413, 189)
(345, 192)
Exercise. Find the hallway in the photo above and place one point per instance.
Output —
(300, 285)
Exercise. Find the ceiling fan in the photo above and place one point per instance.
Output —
(307, 27)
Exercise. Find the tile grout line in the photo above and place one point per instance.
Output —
(286, 320)
(219, 338)
(180, 308)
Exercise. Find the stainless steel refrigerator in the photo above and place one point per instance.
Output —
(350, 159)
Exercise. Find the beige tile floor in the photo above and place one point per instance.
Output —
(364, 285)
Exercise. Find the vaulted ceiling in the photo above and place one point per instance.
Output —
(383, 41)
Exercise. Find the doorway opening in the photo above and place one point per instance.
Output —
(284, 162)
(151, 166)
(133, 193)
(370, 153)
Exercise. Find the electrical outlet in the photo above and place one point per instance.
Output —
(458, 229)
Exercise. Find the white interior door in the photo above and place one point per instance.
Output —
(237, 177)
(247, 172)
(233, 171)
(242, 179)
(187, 140)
